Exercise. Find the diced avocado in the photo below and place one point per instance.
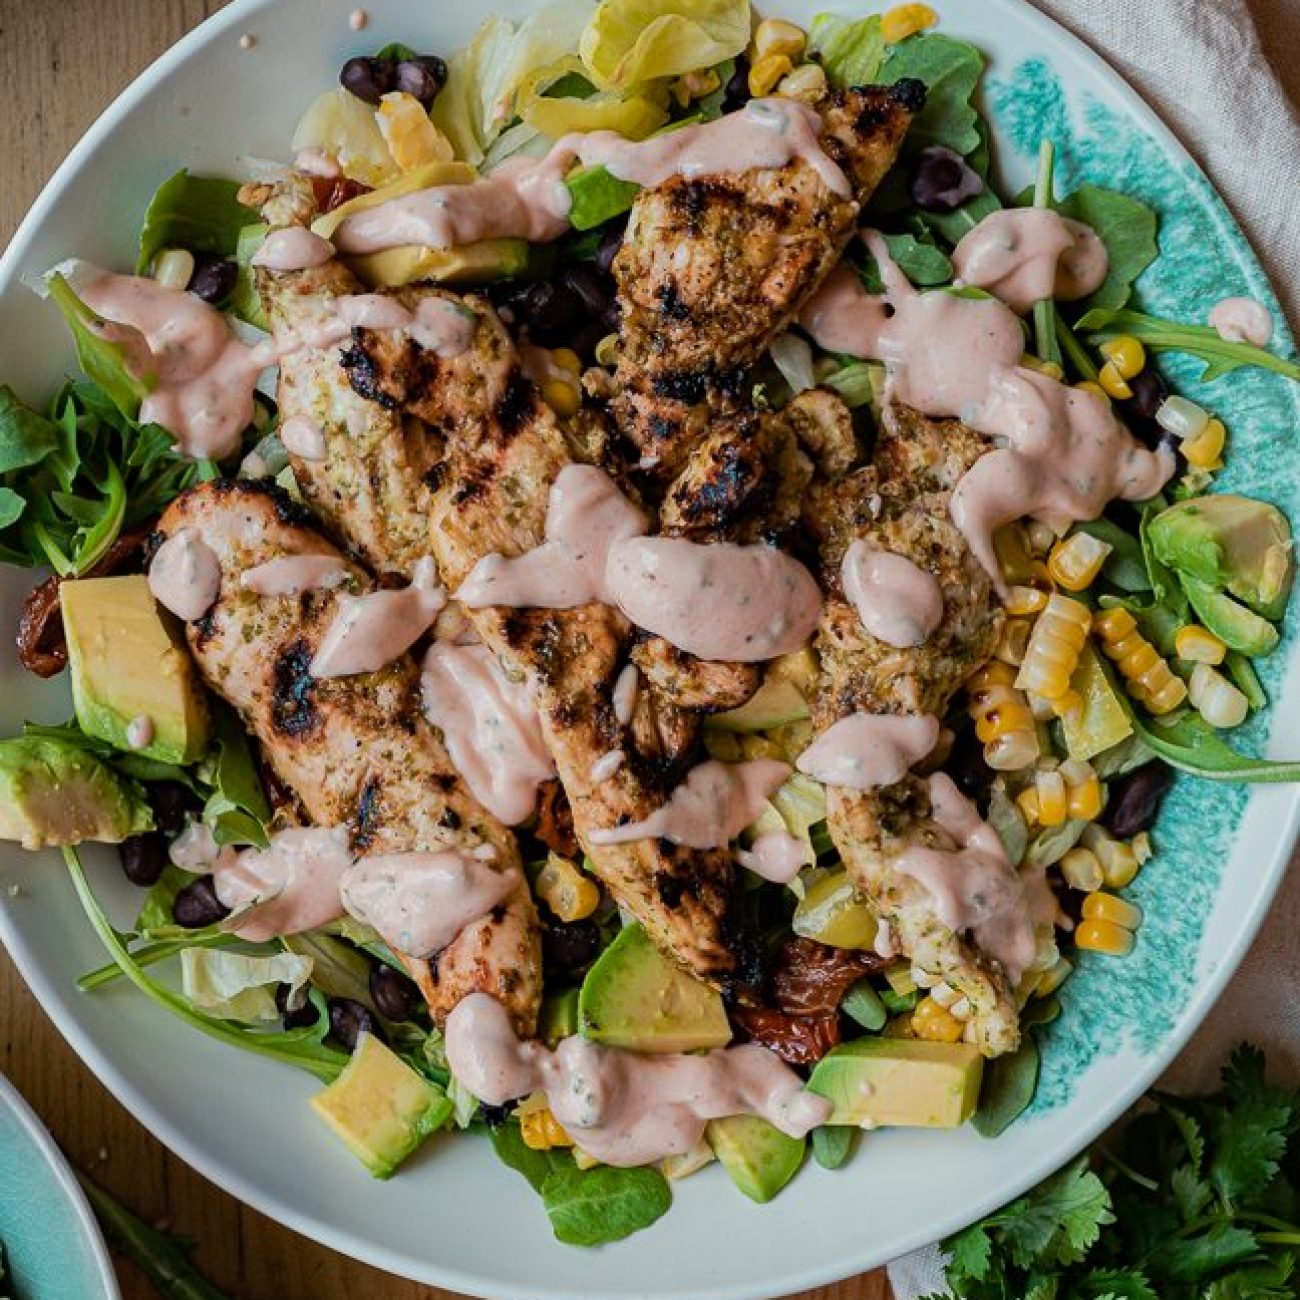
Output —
(1102, 721)
(774, 704)
(381, 1108)
(899, 977)
(834, 913)
(634, 997)
(128, 665)
(597, 196)
(1232, 543)
(422, 178)
(900, 1081)
(558, 1017)
(491, 259)
(758, 1158)
(1229, 620)
(52, 792)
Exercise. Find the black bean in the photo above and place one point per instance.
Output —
(1135, 799)
(966, 765)
(393, 994)
(170, 802)
(349, 1020)
(423, 76)
(495, 1116)
(143, 858)
(736, 94)
(570, 946)
(368, 79)
(611, 240)
(595, 288)
(197, 906)
(1149, 392)
(213, 278)
(942, 180)
(304, 1016)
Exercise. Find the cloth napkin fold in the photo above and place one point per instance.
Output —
(1204, 66)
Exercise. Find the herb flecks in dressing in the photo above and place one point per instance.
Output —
(896, 600)
(185, 575)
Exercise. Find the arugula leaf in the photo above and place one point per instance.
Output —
(1192, 745)
(103, 360)
(1220, 356)
(850, 52)
(200, 213)
(1127, 227)
(26, 438)
(921, 260)
(951, 70)
(590, 1207)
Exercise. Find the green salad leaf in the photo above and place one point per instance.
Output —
(920, 259)
(1127, 227)
(242, 986)
(1159, 335)
(628, 42)
(1008, 1088)
(102, 359)
(850, 51)
(200, 213)
(951, 71)
(236, 808)
(834, 1144)
(1191, 744)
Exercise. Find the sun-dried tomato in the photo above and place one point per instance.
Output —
(555, 821)
(798, 1040)
(810, 978)
(334, 191)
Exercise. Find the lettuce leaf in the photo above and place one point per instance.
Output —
(629, 42)
(201, 213)
(850, 52)
(241, 987)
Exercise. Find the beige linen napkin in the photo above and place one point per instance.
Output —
(1205, 66)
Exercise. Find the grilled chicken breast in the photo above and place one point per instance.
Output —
(713, 268)
(356, 751)
(899, 503)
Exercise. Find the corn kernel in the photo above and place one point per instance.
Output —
(1027, 802)
(1082, 870)
(1205, 450)
(1104, 937)
(1053, 806)
(777, 36)
(1199, 645)
(899, 1027)
(1181, 417)
(1100, 906)
(766, 72)
(607, 350)
(1141, 846)
(1039, 574)
(561, 396)
(1013, 642)
(1059, 634)
(568, 892)
(1146, 675)
(1053, 977)
(541, 1131)
(902, 21)
(1002, 718)
(1084, 800)
(567, 359)
(1119, 861)
(1025, 600)
(1040, 536)
(1113, 384)
(934, 1022)
(1215, 698)
(806, 83)
(1075, 563)
(412, 138)
(1126, 354)
(1091, 386)
(174, 268)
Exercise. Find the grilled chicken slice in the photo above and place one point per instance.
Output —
(713, 268)
(900, 504)
(356, 751)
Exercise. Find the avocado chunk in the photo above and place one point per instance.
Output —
(52, 792)
(900, 1081)
(758, 1157)
(128, 665)
(1102, 721)
(833, 912)
(381, 1108)
(774, 704)
(634, 997)
(491, 259)
(1228, 619)
(558, 1017)
(1232, 543)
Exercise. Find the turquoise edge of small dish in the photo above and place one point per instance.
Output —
(1204, 256)
(52, 1249)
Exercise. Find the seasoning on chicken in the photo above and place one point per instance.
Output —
(354, 750)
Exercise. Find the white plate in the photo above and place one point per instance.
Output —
(456, 1217)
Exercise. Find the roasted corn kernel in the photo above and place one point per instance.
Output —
(1215, 698)
(1082, 870)
(174, 268)
(934, 1022)
(1199, 645)
(1101, 906)
(1083, 790)
(1052, 655)
(1126, 354)
(807, 83)
(1002, 718)
(902, 21)
(1205, 450)
(1119, 861)
(541, 1131)
(567, 359)
(766, 72)
(570, 893)
(1113, 384)
(1013, 642)
(1053, 977)
(1146, 675)
(1026, 600)
(1091, 386)
(1075, 563)
(562, 396)
(1182, 417)
(1104, 937)
(777, 36)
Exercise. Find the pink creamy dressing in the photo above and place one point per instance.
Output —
(897, 601)
(777, 856)
(185, 575)
(622, 1107)
(715, 601)
(709, 809)
(291, 575)
(289, 887)
(316, 162)
(369, 632)
(1062, 454)
(1022, 255)
(866, 750)
(490, 726)
(973, 886)
(303, 438)
(140, 731)
(586, 514)
(527, 198)
(294, 248)
(1242, 320)
(196, 849)
(421, 901)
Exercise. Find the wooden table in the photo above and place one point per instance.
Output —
(63, 60)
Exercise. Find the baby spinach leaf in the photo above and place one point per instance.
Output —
(1124, 566)
(951, 70)
(921, 260)
(1127, 227)
(590, 1207)
(535, 1166)
(200, 213)
(951, 226)
(1008, 1088)
(1159, 335)
(104, 361)
(851, 52)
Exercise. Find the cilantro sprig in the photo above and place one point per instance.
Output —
(1191, 1199)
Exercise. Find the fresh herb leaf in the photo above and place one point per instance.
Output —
(590, 1207)
(850, 52)
(200, 213)
(1158, 335)
(1127, 227)
(1008, 1088)
(951, 70)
